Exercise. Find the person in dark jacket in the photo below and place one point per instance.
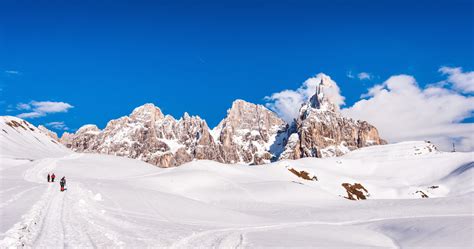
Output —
(62, 183)
(52, 177)
(49, 177)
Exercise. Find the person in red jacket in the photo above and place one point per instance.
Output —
(62, 183)
(52, 177)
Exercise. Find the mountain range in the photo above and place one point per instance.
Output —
(249, 134)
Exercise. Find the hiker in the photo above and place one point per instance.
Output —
(62, 183)
(48, 177)
(52, 177)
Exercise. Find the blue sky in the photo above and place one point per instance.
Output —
(105, 59)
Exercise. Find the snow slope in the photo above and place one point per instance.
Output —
(123, 203)
(22, 140)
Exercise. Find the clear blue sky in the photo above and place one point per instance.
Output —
(107, 58)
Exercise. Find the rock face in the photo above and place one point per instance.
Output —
(321, 131)
(250, 134)
(83, 140)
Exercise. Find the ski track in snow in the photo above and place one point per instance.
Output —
(16, 196)
(55, 221)
(235, 237)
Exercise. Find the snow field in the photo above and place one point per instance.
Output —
(115, 202)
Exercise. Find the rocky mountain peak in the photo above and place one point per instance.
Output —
(246, 115)
(147, 112)
(321, 130)
(321, 99)
(248, 132)
(89, 128)
(186, 115)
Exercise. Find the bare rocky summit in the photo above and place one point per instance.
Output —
(249, 134)
(321, 131)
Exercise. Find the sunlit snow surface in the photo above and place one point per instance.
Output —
(117, 202)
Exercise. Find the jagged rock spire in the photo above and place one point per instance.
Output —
(315, 100)
(321, 131)
(323, 97)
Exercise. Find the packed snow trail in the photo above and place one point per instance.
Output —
(52, 222)
(71, 218)
(51, 232)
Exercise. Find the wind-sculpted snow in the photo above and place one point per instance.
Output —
(116, 202)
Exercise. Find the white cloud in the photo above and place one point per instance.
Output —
(364, 76)
(360, 76)
(401, 111)
(12, 72)
(31, 115)
(23, 106)
(58, 125)
(462, 81)
(42, 108)
(350, 75)
(287, 102)
(50, 106)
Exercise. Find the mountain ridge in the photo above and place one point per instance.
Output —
(249, 134)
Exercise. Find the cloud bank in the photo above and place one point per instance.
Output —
(41, 108)
(402, 110)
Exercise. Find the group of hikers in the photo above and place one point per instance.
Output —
(51, 178)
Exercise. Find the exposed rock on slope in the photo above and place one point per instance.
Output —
(355, 191)
(49, 133)
(321, 131)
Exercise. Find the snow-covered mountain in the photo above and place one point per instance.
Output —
(245, 135)
(418, 197)
(22, 140)
(149, 135)
(249, 134)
